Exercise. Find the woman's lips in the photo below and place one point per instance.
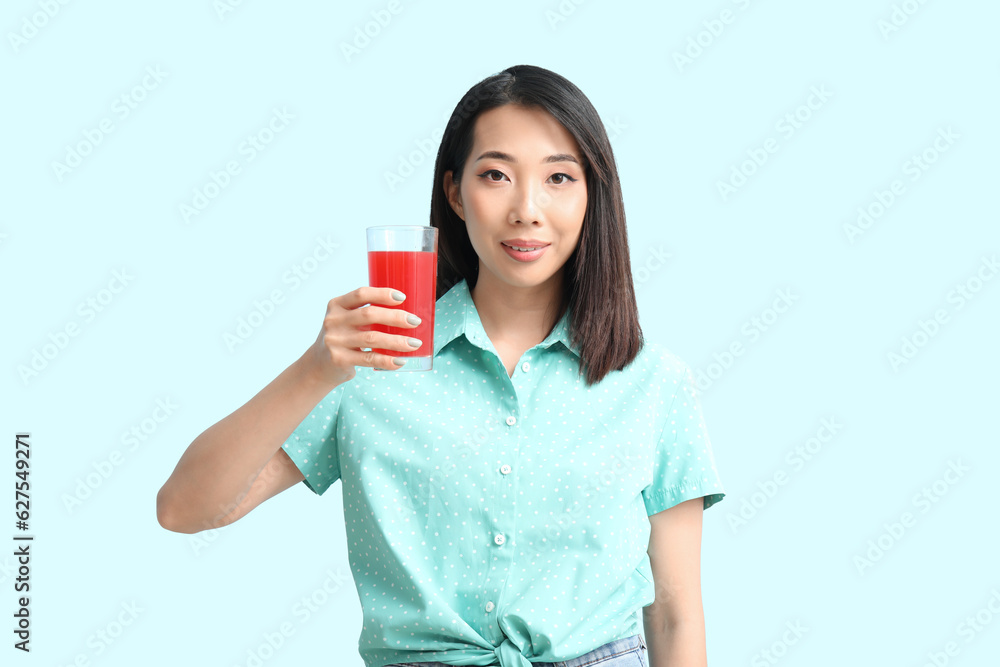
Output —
(529, 256)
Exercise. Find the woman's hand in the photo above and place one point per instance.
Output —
(347, 328)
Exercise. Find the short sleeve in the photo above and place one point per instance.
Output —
(684, 466)
(312, 446)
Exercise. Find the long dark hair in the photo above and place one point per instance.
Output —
(598, 290)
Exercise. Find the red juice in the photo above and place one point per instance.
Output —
(414, 274)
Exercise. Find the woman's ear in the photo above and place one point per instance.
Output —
(454, 194)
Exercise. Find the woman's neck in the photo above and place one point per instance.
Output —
(521, 316)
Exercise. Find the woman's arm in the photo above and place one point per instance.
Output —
(674, 625)
(219, 478)
(238, 463)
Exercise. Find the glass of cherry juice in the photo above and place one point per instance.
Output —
(404, 257)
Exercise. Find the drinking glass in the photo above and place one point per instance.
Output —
(404, 257)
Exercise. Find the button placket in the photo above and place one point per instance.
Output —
(503, 519)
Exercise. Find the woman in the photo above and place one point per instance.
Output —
(520, 503)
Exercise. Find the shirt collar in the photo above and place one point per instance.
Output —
(456, 314)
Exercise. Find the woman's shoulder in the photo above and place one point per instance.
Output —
(657, 359)
(658, 373)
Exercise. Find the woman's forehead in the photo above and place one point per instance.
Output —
(529, 133)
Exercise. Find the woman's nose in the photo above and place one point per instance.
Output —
(529, 203)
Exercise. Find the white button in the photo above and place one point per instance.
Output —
(525, 366)
(489, 606)
(511, 420)
(505, 468)
(499, 538)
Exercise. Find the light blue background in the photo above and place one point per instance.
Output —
(682, 131)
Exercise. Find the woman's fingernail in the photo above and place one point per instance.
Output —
(413, 319)
(398, 361)
(414, 342)
(398, 296)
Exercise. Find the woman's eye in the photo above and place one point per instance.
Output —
(563, 178)
(490, 173)
(495, 176)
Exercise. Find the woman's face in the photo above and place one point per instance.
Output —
(524, 179)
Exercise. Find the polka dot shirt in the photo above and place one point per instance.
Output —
(503, 520)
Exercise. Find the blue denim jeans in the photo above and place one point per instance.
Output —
(625, 652)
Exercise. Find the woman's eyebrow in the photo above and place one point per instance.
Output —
(506, 157)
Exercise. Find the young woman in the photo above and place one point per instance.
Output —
(524, 500)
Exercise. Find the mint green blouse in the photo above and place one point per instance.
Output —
(503, 520)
